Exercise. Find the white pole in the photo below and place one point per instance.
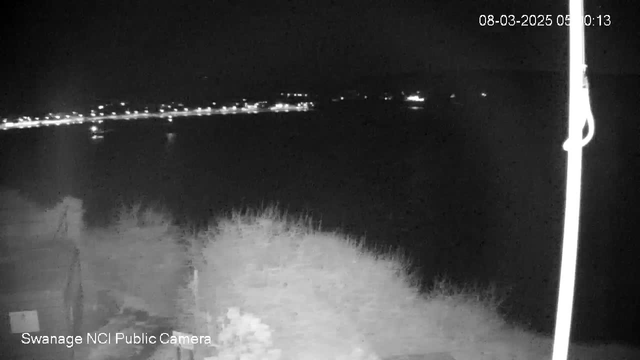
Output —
(579, 113)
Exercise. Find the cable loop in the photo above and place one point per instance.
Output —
(571, 144)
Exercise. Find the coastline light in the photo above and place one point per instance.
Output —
(415, 98)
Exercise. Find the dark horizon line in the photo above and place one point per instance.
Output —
(381, 82)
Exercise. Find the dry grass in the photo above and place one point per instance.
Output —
(470, 313)
(325, 294)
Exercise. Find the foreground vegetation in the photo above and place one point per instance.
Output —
(326, 295)
(271, 286)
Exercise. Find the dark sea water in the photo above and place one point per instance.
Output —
(474, 192)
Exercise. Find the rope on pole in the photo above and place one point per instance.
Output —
(579, 116)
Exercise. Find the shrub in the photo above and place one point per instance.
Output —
(24, 219)
(324, 295)
(138, 256)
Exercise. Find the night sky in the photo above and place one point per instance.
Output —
(65, 53)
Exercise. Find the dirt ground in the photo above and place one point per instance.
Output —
(107, 318)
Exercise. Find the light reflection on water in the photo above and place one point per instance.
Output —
(171, 138)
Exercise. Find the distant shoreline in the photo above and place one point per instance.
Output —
(158, 115)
